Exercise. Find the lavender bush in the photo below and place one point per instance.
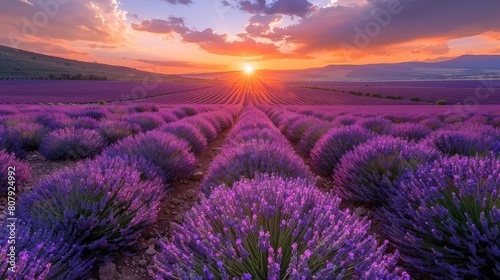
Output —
(466, 140)
(376, 124)
(345, 120)
(103, 202)
(445, 218)
(147, 121)
(43, 253)
(22, 171)
(273, 229)
(311, 137)
(168, 116)
(189, 133)
(179, 113)
(264, 135)
(165, 151)
(85, 123)
(297, 129)
(204, 126)
(53, 120)
(113, 131)
(26, 136)
(91, 112)
(72, 144)
(333, 145)
(432, 123)
(251, 159)
(410, 131)
(368, 172)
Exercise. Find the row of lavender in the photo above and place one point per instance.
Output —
(264, 219)
(75, 132)
(74, 219)
(434, 180)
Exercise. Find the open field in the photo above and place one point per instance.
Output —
(33, 92)
(467, 91)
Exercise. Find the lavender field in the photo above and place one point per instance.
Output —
(85, 92)
(251, 190)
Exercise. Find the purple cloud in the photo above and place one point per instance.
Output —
(379, 24)
(161, 26)
(299, 8)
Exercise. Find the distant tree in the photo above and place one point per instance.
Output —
(441, 102)
(415, 98)
(67, 64)
(51, 76)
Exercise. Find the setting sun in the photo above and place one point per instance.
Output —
(248, 69)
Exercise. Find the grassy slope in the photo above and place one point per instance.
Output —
(19, 64)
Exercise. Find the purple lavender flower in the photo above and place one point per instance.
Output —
(466, 140)
(179, 113)
(53, 120)
(85, 123)
(147, 121)
(190, 111)
(204, 126)
(189, 133)
(168, 116)
(103, 202)
(113, 131)
(141, 108)
(345, 120)
(44, 253)
(264, 135)
(432, 123)
(297, 129)
(91, 112)
(376, 124)
(72, 144)
(22, 171)
(270, 228)
(251, 159)
(410, 131)
(166, 151)
(368, 172)
(311, 136)
(26, 136)
(445, 218)
(333, 145)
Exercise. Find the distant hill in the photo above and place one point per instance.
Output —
(463, 67)
(20, 64)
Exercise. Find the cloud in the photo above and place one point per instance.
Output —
(100, 46)
(183, 64)
(259, 25)
(380, 24)
(96, 20)
(299, 8)
(160, 26)
(183, 2)
(207, 35)
(438, 49)
(132, 15)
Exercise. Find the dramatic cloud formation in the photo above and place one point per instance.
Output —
(285, 7)
(97, 20)
(259, 25)
(383, 23)
(173, 24)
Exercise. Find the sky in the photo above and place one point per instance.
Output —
(194, 36)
